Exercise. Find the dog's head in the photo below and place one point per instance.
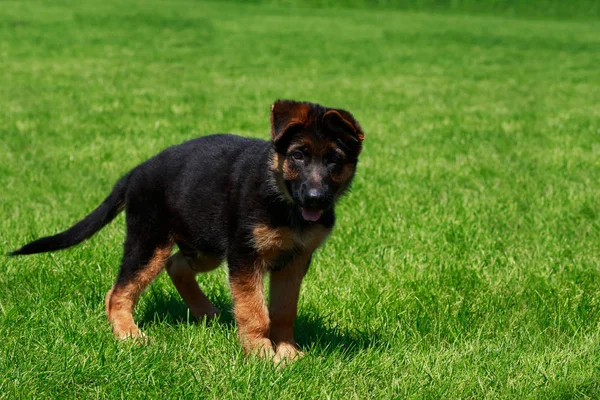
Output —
(316, 151)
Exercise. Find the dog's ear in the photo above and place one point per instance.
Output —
(343, 123)
(286, 115)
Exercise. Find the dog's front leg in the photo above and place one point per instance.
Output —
(283, 307)
(250, 310)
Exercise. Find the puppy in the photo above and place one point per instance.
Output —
(262, 206)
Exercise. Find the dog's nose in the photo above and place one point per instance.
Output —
(316, 198)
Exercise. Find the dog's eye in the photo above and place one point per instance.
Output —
(335, 159)
(297, 155)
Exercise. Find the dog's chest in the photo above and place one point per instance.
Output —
(278, 246)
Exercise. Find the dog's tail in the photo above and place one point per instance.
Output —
(96, 220)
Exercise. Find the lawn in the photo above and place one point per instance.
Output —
(465, 262)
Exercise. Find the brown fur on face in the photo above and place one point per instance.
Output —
(277, 167)
(318, 151)
(290, 173)
(283, 170)
(345, 175)
(344, 178)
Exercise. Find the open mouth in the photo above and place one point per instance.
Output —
(311, 214)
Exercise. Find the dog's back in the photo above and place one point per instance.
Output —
(203, 187)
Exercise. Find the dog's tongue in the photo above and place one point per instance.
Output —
(311, 215)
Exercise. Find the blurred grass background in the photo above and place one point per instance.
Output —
(558, 9)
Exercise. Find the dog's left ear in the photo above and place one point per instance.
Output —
(343, 123)
(286, 116)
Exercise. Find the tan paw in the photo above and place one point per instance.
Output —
(262, 348)
(129, 332)
(286, 353)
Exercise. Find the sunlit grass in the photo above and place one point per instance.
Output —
(465, 261)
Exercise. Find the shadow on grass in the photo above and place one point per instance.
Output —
(311, 329)
(314, 331)
(172, 310)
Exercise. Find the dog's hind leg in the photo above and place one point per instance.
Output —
(146, 251)
(182, 270)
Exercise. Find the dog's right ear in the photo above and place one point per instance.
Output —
(287, 116)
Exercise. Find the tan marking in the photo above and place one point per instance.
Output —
(315, 237)
(277, 168)
(121, 299)
(267, 238)
(286, 353)
(347, 120)
(284, 293)
(345, 175)
(256, 328)
(351, 124)
(269, 242)
(343, 179)
(250, 311)
(276, 162)
(283, 305)
(107, 301)
(289, 114)
(301, 114)
(297, 114)
(182, 271)
(290, 173)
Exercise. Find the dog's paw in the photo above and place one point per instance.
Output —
(262, 348)
(130, 333)
(286, 353)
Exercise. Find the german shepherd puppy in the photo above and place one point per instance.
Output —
(263, 206)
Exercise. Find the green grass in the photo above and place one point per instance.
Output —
(557, 9)
(465, 263)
